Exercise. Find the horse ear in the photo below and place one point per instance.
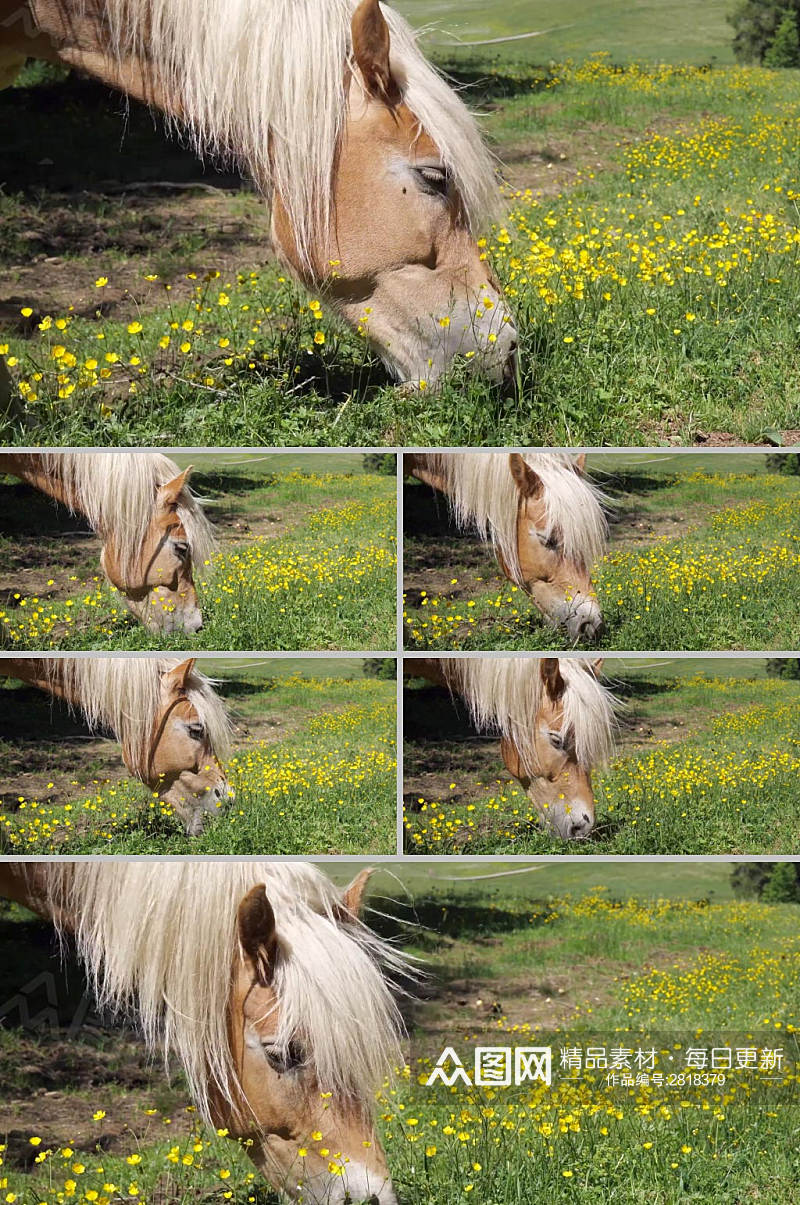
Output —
(176, 681)
(596, 667)
(579, 464)
(551, 676)
(255, 922)
(353, 896)
(169, 494)
(528, 482)
(370, 35)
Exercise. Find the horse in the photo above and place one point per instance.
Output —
(544, 520)
(378, 178)
(152, 526)
(556, 723)
(172, 726)
(260, 980)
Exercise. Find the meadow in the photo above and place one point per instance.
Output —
(649, 250)
(707, 763)
(510, 961)
(306, 560)
(313, 766)
(701, 557)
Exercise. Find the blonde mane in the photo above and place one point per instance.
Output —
(262, 83)
(507, 693)
(123, 694)
(116, 491)
(159, 941)
(482, 493)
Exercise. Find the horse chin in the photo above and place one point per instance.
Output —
(315, 1184)
(355, 1184)
(570, 822)
(168, 619)
(193, 807)
(419, 351)
(579, 616)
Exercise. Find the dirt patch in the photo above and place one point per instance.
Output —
(68, 1080)
(78, 240)
(550, 163)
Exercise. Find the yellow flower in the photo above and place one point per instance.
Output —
(134, 328)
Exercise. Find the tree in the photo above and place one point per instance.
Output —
(380, 667)
(783, 667)
(380, 462)
(784, 462)
(784, 49)
(773, 882)
(783, 884)
(755, 23)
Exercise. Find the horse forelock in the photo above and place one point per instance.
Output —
(124, 694)
(116, 491)
(507, 694)
(262, 83)
(159, 942)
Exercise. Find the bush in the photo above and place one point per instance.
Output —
(756, 23)
(783, 884)
(784, 49)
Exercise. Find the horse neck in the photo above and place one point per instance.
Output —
(50, 678)
(29, 467)
(425, 667)
(27, 884)
(35, 672)
(424, 468)
(72, 32)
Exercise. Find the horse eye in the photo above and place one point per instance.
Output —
(196, 731)
(284, 1058)
(549, 542)
(556, 740)
(433, 180)
(180, 548)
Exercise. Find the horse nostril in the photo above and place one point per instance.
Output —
(579, 828)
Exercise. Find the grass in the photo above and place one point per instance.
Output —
(313, 767)
(707, 765)
(306, 561)
(650, 254)
(507, 966)
(703, 559)
(652, 32)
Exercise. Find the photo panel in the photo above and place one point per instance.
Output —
(207, 755)
(651, 550)
(200, 550)
(514, 754)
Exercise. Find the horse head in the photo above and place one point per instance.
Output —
(312, 1140)
(398, 258)
(157, 582)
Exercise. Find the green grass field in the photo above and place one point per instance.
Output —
(707, 763)
(306, 560)
(667, 961)
(649, 253)
(647, 31)
(313, 766)
(700, 557)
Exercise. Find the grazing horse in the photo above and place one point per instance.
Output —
(544, 520)
(152, 527)
(171, 724)
(556, 721)
(376, 171)
(261, 982)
